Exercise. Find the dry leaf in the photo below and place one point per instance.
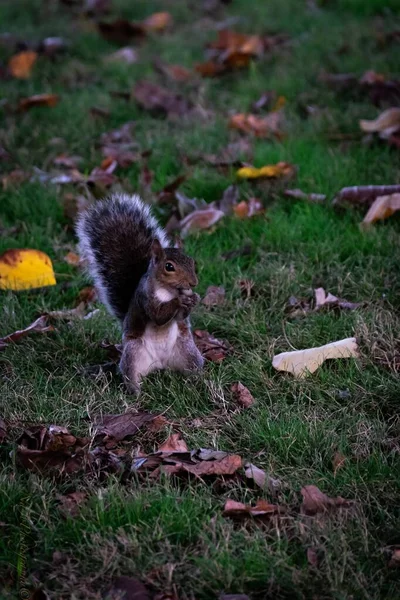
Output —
(215, 296)
(70, 503)
(72, 259)
(324, 300)
(200, 219)
(303, 196)
(228, 465)
(242, 395)
(231, 50)
(25, 269)
(158, 21)
(382, 208)
(364, 194)
(303, 362)
(260, 478)
(338, 461)
(156, 99)
(251, 208)
(315, 501)
(87, 296)
(175, 443)
(121, 426)
(173, 72)
(386, 124)
(211, 348)
(281, 169)
(312, 557)
(49, 100)
(41, 325)
(262, 509)
(258, 126)
(20, 65)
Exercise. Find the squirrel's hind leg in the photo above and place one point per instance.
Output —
(134, 365)
(186, 357)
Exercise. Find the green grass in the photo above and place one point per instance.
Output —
(173, 533)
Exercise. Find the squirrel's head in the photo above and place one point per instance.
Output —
(172, 267)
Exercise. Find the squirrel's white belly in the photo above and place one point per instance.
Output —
(158, 346)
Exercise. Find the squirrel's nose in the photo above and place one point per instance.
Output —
(194, 281)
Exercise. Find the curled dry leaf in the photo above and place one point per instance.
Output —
(242, 395)
(251, 208)
(303, 362)
(41, 325)
(364, 194)
(386, 124)
(262, 509)
(261, 478)
(328, 300)
(258, 126)
(175, 443)
(121, 426)
(25, 269)
(298, 194)
(156, 99)
(200, 219)
(49, 100)
(215, 296)
(211, 348)
(382, 208)
(315, 501)
(281, 169)
(20, 65)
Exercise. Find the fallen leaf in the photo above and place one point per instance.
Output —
(386, 124)
(229, 51)
(242, 395)
(338, 461)
(258, 126)
(167, 194)
(298, 194)
(200, 219)
(25, 269)
(71, 313)
(175, 443)
(364, 194)
(125, 55)
(260, 478)
(156, 99)
(251, 208)
(265, 101)
(41, 325)
(69, 162)
(121, 426)
(87, 296)
(303, 362)
(232, 155)
(127, 588)
(281, 169)
(157, 424)
(324, 300)
(262, 509)
(210, 347)
(49, 100)
(72, 259)
(158, 21)
(315, 501)
(173, 72)
(215, 296)
(122, 31)
(382, 208)
(20, 65)
(3, 427)
(228, 465)
(70, 503)
(312, 557)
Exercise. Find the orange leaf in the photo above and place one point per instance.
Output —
(258, 126)
(210, 69)
(20, 65)
(382, 208)
(174, 443)
(38, 100)
(244, 209)
(72, 259)
(158, 21)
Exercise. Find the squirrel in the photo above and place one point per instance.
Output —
(144, 282)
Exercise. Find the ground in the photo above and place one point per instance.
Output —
(171, 534)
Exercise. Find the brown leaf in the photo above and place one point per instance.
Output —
(3, 430)
(20, 65)
(173, 72)
(315, 501)
(121, 426)
(127, 588)
(385, 124)
(200, 219)
(232, 155)
(225, 466)
(215, 296)
(175, 443)
(167, 194)
(364, 194)
(338, 461)
(122, 31)
(49, 100)
(158, 21)
(72, 259)
(87, 295)
(121, 135)
(41, 325)
(251, 208)
(382, 208)
(156, 99)
(211, 348)
(312, 557)
(210, 69)
(157, 424)
(261, 478)
(258, 126)
(298, 194)
(262, 509)
(242, 395)
(394, 562)
(70, 503)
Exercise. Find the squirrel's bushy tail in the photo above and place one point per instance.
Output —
(115, 237)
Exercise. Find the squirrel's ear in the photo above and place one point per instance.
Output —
(178, 242)
(157, 251)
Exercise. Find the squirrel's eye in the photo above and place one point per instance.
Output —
(169, 267)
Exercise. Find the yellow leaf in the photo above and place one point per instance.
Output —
(281, 169)
(25, 269)
(20, 65)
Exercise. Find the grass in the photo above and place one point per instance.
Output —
(169, 533)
